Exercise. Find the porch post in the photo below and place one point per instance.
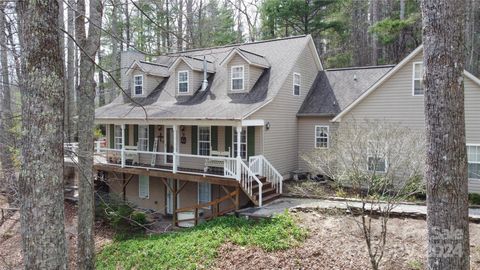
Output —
(123, 145)
(239, 157)
(175, 150)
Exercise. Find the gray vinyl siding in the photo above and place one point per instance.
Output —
(251, 73)
(393, 102)
(306, 136)
(126, 60)
(195, 78)
(149, 82)
(280, 142)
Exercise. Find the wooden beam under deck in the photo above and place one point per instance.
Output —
(216, 180)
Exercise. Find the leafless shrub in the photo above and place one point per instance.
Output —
(382, 162)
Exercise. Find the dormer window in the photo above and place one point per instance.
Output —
(237, 78)
(296, 84)
(138, 85)
(183, 82)
(417, 79)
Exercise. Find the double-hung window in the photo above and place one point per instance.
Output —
(143, 187)
(243, 143)
(297, 81)
(376, 158)
(473, 154)
(183, 82)
(204, 141)
(237, 78)
(321, 136)
(138, 85)
(142, 138)
(417, 79)
(118, 137)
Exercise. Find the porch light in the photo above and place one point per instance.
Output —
(267, 125)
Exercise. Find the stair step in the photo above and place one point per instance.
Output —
(265, 192)
(266, 185)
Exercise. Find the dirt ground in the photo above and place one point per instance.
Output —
(335, 242)
(10, 239)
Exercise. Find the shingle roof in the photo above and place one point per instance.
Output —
(215, 102)
(334, 89)
(151, 68)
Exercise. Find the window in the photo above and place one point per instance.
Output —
(118, 137)
(296, 84)
(143, 187)
(321, 136)
(237, 78)
(376, 159)
(204, 192)
(418, 79)
(243, 143)
(142, 138)
(183, 81)
(473, 153)
(204, 141)
(138, 85)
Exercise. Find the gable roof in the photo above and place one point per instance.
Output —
(334, 89)
(149, 68)
(251, 58)
(194, 63)
(215, 102)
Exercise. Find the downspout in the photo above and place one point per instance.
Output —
(205, 81)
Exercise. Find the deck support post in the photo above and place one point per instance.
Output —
(237, 198)
(239, 157)
(175, 148)
(122, 153)
(175, 202)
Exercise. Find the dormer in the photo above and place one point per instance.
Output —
(188, 74)
(244, 68)
(144, 76)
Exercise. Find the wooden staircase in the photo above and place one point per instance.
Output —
(269, 193)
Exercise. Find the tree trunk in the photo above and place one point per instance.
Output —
(41, 176)
(9, 179)
(191, 39)
(127, 24)
(101, 82)
(86, 100)
(375, 18)
(446, 161)
(180, 25)
(69, 99)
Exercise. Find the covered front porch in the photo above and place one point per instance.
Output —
(220, 149)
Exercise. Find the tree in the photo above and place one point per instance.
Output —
(9, 183)
(446, 161)
(41, 175)
(382, 163)
(89, 46)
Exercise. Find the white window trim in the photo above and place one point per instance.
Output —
(477, 162)
(299, 84)
(115, 137)
(243, 78)
(135, 85)
(145, 138)
(209, 193)
(246, 142)
(147, 187)
(413, 80)
(209, 137)
(188, 82)
(376, 171)
(315, 137)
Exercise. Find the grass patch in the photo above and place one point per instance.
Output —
(196, 248)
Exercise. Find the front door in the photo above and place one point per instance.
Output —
(169, 144)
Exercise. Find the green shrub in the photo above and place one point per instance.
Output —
(120, 215)
(474, 198)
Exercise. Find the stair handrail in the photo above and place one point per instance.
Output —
(247, 182)
(277, 178)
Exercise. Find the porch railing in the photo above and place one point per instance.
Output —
(262, 167)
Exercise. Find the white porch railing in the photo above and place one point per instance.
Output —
(262, 167)
(247, 180)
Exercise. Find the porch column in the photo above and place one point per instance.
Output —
(123, 146)
(175, 150)
(239, 157)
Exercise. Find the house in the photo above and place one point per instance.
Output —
(198, 133)
(207, 130)
(386, 93)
